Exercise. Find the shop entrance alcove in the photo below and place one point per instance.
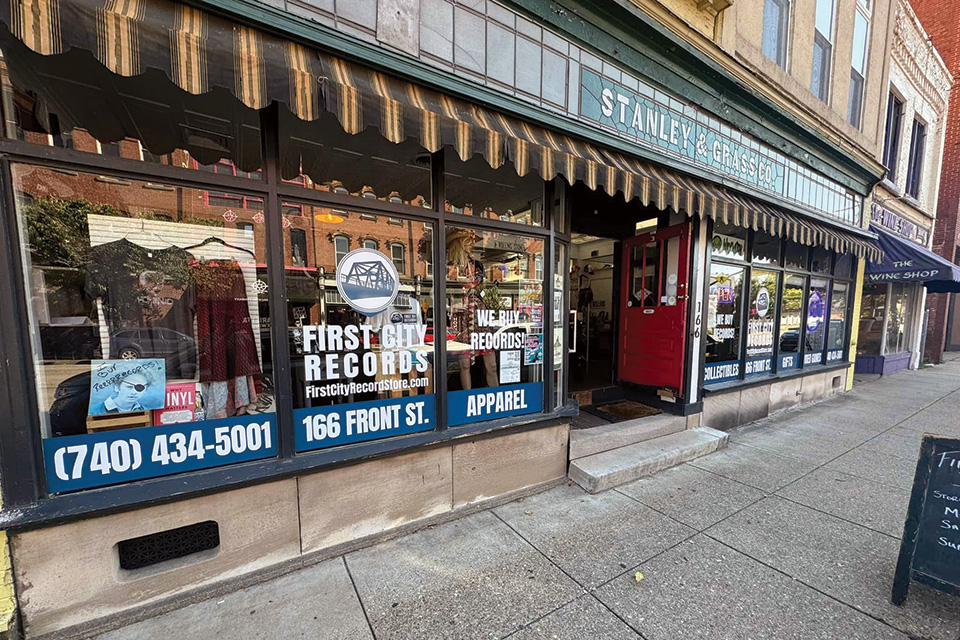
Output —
(612, 375)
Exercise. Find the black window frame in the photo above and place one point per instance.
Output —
(783, 272)
(892, 133)
(918, 147)
(27, 502)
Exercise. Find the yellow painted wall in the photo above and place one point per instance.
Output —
(855, 320)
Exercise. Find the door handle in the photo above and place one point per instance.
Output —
(683, 297)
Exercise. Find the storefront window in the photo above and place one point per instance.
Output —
(900, 311)
(150, 320)
(795, 256)
(873, 308)
(820, 262)
(766, 248)
(791, 309)
(723, 323)
(837, 331)
(845, 266)
(761, 322)
(473, 188)
(320, 155)
(494, 325)
(729, 241)
(559, 320)
(362, 330)
(815, 328)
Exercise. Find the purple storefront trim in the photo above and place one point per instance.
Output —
(884, 365)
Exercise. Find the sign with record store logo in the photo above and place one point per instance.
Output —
(368, 281)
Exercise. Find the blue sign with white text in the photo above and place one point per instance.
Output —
(112, 457)
(721, 372)
(477, 405)
(333, 425)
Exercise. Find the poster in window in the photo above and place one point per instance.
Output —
(723, 323)
(760, 322)
(126, 386)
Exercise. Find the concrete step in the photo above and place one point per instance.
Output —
(602, 471)
(587, 442)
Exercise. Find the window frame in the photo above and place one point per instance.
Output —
(892, 133)
(918, 148)
(825, 42)
(783, 33)
(21, 448)
(783, 272)
(858, 76)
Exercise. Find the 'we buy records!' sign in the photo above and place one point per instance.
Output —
(930, 550)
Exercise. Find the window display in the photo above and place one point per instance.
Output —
(761, 322)
(723, 323)
(898, 325)
(362, 334)
(495, 350)
(147, 306)
(837, 331)
(873, 309)
(815, 328)
(791, 308)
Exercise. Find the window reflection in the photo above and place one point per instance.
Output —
(473, 188)
(495, 321)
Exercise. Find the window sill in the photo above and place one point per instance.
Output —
(58, 509)
(891, 187)
(756, 381)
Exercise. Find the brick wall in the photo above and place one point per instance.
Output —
(941, 20)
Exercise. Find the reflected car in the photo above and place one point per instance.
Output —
(151, 342)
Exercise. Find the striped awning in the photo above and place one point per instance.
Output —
(200, 52)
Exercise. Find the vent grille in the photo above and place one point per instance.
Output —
(137, 553)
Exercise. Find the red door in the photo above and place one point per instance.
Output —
(653, 308)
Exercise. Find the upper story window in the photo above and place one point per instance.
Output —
(776, 17)
(298, 247)
(822, 50)
(918, 142)
(341, 246)
(891, 140)
(858, 66)
(398, 255)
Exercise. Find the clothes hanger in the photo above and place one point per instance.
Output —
(217, 240)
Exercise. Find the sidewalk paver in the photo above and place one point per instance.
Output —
(473, 578)
(592, 538)
(704, 589)
(875, 506)
(315, 602)
(583, 618)
(695, 497)
(837, 558)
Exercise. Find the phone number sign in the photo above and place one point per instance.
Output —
(114, 457)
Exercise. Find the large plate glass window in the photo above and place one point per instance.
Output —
(150, 321)
(361, 334)
(494, 332)
(473, 188)
(791, 310)
(898, 325)
(837, 330)
(873, 309)
(761, 321)
(723, 323)
(815, 327)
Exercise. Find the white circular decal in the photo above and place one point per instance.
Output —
(367, 280)
(763, 302)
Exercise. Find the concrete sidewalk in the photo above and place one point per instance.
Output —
(791, 532)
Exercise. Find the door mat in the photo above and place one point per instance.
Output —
(626, 410)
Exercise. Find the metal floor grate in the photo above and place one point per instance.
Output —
(137, 553)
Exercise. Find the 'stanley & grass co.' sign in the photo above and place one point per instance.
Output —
(650, 117)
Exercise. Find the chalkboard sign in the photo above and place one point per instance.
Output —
(930, 549)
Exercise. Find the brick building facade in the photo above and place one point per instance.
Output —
(941, 20)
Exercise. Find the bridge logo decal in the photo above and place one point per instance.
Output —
(368, 281)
